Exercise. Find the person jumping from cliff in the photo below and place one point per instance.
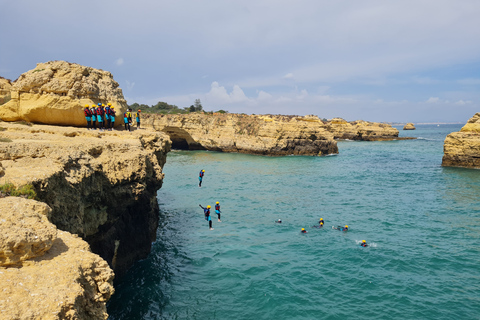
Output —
(206, 211)
(217, 210)
(137, 118)
(88, 116)
(200, 177)
(93, 111)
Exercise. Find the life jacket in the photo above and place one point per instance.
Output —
(100, 112)
(107, 110)
(137, 115)
(112, 112)
(217, 207)
(88, 113)
(207, 212)
(201, 174)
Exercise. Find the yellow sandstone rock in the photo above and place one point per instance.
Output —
(462, 149)
(409, 126)
(63, 280)
(55, 92)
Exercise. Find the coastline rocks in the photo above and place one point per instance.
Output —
(361, 130)
(63, 280)
(255, 134)
(462, 149)
(409, 126)
(100, 186)
(25, 230)
(5, 88)
(55, 93)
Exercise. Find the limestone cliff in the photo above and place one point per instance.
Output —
(361, 130)
(56, 91)
(256, 134)
(47, 273)
(462, 149)
(101, 186)
(5, 88)
(409, 126)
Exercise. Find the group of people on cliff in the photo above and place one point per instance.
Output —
(104, 116)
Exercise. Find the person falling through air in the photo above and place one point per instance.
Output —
(200, 177)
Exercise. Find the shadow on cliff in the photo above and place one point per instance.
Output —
(56, 250)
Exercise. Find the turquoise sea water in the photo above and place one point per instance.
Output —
(422, 222)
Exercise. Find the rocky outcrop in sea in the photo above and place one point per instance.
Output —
(462, 149)
(409, 126)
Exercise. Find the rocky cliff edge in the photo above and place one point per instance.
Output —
(47, 273)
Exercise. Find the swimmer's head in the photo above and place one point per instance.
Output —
(346, 226)
(321, 219)
(279, 220)
(217, 202)
(303, 229)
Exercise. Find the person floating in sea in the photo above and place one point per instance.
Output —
(94, 117)
(200, 177)
(320, 223)
(303, 230)
(88, 116)
(217, 210)
(206, 211)
(278, 221)
(364, 243)
(126, 116)
(340, 228)
(137, 118)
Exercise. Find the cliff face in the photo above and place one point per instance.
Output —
(462, 149)
(56, 92)
(266, 135)
(46, 273)
(101, 186)
(5, 88)
(361, 130)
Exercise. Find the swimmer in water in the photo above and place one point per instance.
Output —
(364, 243)
(321, 222)
(278, 221)
(303, 230)
(340, 228)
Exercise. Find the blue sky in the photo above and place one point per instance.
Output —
(397, 60)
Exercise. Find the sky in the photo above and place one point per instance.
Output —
(388, 61)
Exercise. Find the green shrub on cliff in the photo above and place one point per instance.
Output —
(27, 191)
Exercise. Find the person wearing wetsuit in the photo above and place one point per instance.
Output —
(126, 116)
(217, 210)
(88, 116)
(112, 118)
(303, 230)
(278, 221)
(100, 117)
(321, 222)
(363, 243)
(137, 118)
(107, 115)
(200, 177)
(93, 111)
(206, 211)
(340, 228)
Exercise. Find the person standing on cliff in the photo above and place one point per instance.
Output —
(217, 210)
(112, 117)
(88, 116)
(200, 177)
(100, 117)
(206, 211)
(125, 119)
(137, 118)
(94, 117)
(107, 115)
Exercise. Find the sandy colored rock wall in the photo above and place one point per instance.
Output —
(462, 149)
(55, 93)
(62, 280)
(100, 185)
(361, 130)
(255, 134)
(409, 126)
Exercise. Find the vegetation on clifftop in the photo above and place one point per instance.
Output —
(165, 108)
(8, 189)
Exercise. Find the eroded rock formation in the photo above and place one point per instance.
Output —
(100, 186)
(409, 126)
(462, 149)
(361, 130)
(56, 91)
(266, 135)
(47, 273)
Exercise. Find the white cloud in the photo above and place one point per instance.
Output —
(433, 100)
(288, 76)
(119, 61)
(462, 102)
(130, 85)
(219, 95)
